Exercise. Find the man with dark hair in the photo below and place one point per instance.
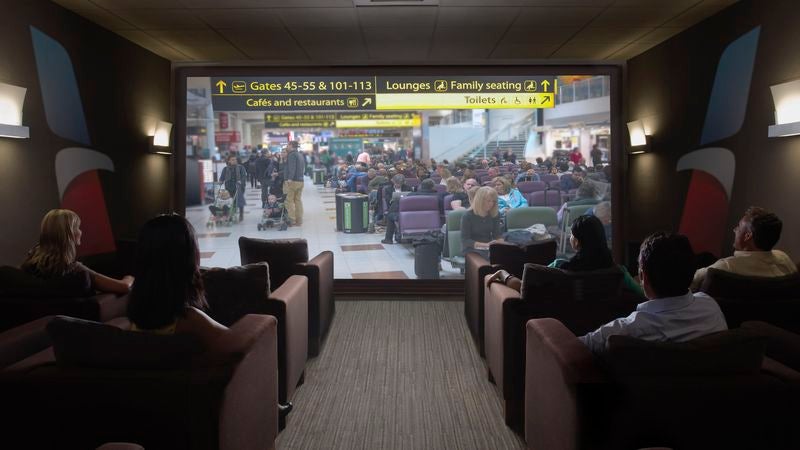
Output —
(753, 240)
(672, 312)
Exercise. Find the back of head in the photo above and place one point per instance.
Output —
(593, 252)
(167, 273)
(398, 179)
(453, 185)
(668, 262)
(766, 227)
(57, 247)
(427, 185)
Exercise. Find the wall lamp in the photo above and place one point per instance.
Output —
(786, 97)
(160, 137)
(640, 136)
(11, 100)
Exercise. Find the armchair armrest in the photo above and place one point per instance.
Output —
(782, 345)
(476, 267)
(20, 342)
(321, 308)
(496, 296)
(556, 361)
(290, 302)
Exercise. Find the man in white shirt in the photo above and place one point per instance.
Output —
(753, 238)
(672, 312)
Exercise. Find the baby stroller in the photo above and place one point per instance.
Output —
(224, 210)
(274, 214)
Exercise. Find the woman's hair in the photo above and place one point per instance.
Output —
(479, 203)
(55, 253)
(446, 173)
(453, 185)
(593, 253)
(468, 173)
(505, 182)
(167, 273)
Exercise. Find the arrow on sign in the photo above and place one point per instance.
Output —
(545, 85)
(221, 85)
(546, 98)
(367, 101)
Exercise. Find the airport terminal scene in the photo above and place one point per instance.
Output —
(399, 224)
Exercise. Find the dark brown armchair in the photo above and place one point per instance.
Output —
(509, 257)
(99, 383)
(581, 300)
(287, 257)
(237, 291)
(24, 297)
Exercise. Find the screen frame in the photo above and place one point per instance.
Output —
(619, 157)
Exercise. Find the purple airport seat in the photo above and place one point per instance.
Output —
(413, 183)
(544, 198)
(526, 187)
(440, 188)
(549, 177)
(419, 214)
(436, 178)
(481, 172)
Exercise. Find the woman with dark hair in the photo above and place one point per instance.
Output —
(167, 297)
(588, 239)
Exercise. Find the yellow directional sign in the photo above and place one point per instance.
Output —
(221, 85)
(517, 100)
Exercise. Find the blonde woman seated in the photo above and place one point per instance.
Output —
(54, 255)
(508, 196)
(480, 225)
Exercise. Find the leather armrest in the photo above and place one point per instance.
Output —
(782, 345)
(495, 296)
(576, 360)
(240, 338)
(23, 341)
(292, 332)
(111, 306)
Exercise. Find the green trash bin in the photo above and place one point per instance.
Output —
(354, 212)
(319, 176)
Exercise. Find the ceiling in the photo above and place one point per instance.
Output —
(338, 32)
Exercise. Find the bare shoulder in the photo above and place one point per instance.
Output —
(198, 323)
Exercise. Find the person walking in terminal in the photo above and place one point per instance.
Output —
(54, 254)
(672, 313)
(753, 240)
(294, 168)
(234, 178)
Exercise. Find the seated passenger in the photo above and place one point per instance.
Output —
(168, 295)
(528, 175)
(672, 312)
(586, 195)
(460, 199)
(571, 181)
(480, 225)
(589, 242)
(753, 239)
(508, 197)
(392, 195)
(54, 255)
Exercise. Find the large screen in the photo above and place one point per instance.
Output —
(385, 169)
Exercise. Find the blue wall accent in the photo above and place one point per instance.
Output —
(728, 102)
(62, 100)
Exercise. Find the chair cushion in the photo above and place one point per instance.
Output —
(78, 342)
(15, 282)
(280, 254)
(231, 292)
(545, 283)
(514, 257)
(723, 284)
(738, 351)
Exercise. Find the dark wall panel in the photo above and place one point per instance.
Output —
(122, 88)
(672, 84)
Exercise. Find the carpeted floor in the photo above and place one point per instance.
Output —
(397, 375)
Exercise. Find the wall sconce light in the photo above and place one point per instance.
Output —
(160, 137)
(11, 100)
(640, 137)
(786, 97)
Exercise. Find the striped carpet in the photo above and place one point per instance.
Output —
(397, 375)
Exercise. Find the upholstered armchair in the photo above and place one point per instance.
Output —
(581, 300)
(710, 392)
(24, 297)
(103, 383)
(287, 257)
(235, 292)
(503, 256)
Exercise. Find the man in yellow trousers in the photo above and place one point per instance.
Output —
(293, 169)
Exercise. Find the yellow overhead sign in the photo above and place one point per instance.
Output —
(464, 101)
(379, 123)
